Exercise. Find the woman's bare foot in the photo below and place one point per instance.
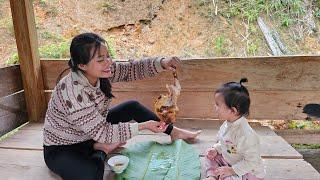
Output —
(183, 134)
(108, 148)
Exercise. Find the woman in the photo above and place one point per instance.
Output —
(79, 124)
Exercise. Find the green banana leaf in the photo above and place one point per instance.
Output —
(153, 161)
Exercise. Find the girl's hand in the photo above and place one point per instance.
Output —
(211, 153)
(170, 63)
(224, 172)
(154, 126)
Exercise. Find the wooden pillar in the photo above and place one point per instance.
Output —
(27, 44)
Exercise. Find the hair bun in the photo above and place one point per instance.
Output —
(243, 80)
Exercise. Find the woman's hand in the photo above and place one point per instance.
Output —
(224, 172)
(170, 63)
(154, 126)
(108, 148)
(211, 153)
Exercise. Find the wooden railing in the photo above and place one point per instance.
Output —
(12, 101)
(279, 86)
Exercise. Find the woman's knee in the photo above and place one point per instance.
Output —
(69, 165)
(88, 172)
(133, 103)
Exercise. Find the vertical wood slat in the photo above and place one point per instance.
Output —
(27, 44)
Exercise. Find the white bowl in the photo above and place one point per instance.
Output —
(118, 163)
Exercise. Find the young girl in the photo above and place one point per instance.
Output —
(79, 125)
(237, 153)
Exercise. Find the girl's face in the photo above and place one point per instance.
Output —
(222, 110)
(99, 65)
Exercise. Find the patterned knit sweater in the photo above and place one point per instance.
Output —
(77, 110)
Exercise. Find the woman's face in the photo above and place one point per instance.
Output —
(99, 66)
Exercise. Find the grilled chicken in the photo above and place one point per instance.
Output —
(166, 105)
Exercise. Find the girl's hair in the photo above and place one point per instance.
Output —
(236, 95)
(80, 48)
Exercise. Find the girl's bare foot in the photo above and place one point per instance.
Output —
(183, 134)
(107, 148)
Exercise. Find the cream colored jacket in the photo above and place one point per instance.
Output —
(240, 147)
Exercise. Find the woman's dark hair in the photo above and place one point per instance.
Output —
(236, 95)
(80, 48)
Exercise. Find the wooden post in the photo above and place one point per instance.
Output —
(27, 44)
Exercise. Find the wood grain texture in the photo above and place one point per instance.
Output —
(264, 73)
(279, 86)
(12, 112)
(30, 136)
(265, 105)
(10, 80)
(27, 45)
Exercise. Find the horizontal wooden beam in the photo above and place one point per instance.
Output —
(299, 73)
(10, 80)
(279, 86)
(12, 112)
(265, 105)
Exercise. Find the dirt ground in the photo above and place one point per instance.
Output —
(184, 28)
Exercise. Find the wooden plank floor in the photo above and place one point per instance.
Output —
(21, 155)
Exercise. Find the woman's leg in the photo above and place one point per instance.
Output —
(133, 110)
(70, 165)
(130, 110)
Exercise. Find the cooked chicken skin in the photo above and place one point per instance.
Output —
(166, 105)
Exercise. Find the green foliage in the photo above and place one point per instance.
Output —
(252, 28)
(49, 35)
(43, 3)
(108, 6)
(60, 50)
(220, 45)
(306, 146)
(252, 48)
(8, 25)
(247, 9)
(296, 124)
(57, 51)
(317, 13)
(286, 21)
(13, 59)
(111, 48)
(287, 11)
